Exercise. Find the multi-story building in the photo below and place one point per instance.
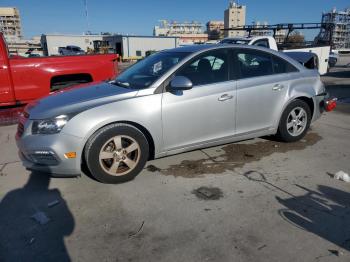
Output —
(10, 23)
(214, 30)
(339, 33)
(234, 16)
(188, 32)
(10, 26)
(261, 29)
(280, 36)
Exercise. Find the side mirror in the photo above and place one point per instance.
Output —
(180, 83)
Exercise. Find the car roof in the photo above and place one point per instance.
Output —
(242, 38)
(192, 48)
(206, 47)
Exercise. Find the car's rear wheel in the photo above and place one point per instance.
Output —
(295, 121)
(116, 153)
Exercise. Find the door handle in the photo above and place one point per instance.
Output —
(277, 87)
(225, 97)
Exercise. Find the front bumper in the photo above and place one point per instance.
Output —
(46, 153)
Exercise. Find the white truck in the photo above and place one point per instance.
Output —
(322, 52)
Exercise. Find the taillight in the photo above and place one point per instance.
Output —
(330, 104)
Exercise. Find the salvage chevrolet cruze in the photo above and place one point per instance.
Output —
(171, 102)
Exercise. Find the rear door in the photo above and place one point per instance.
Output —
(205, 113)
(261, 89)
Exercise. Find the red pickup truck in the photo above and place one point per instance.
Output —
(26, 79)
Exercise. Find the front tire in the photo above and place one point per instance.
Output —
(116, 153)
(295, 121)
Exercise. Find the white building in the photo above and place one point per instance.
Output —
(128, 47)
(188, 32)
(10, 23)
(234, 16)
(52, 42)
(339, 33)
(135, 47)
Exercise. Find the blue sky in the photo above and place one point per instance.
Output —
(139, 17)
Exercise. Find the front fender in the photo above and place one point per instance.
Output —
(144, 111)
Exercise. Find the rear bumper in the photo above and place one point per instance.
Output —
(319, 105)
(323, 103)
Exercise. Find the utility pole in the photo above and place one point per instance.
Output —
(87, 16)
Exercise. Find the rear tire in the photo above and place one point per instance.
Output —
(295, 121)
(116, 153)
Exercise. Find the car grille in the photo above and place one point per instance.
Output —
(43, 158)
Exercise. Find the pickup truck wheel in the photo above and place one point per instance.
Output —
(295, 121)
(116, 153)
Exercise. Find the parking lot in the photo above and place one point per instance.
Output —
(256, 200)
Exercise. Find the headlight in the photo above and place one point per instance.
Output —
(49, 126)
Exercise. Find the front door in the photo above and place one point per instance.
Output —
(206, 112)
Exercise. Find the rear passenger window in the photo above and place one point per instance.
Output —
(281, 66)
(254, 63)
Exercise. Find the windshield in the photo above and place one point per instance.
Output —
(235, 41)
(147, 71)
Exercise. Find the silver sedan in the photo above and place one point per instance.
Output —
(171, 102)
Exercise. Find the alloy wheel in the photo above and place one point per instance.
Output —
(119, 155)
(296, 121)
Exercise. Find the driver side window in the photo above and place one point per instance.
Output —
(210, 67)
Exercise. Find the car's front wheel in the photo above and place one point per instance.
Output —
(295, 121)
(116, 153)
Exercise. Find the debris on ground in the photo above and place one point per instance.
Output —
(2, 168)
(248, 155)
(153, 168)
(208, 193)
(342, 176)
(335, 252)
(138, 231)
(262, 247)
(41, 218)
(53, 203)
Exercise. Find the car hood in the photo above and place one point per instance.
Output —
(75, 100)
